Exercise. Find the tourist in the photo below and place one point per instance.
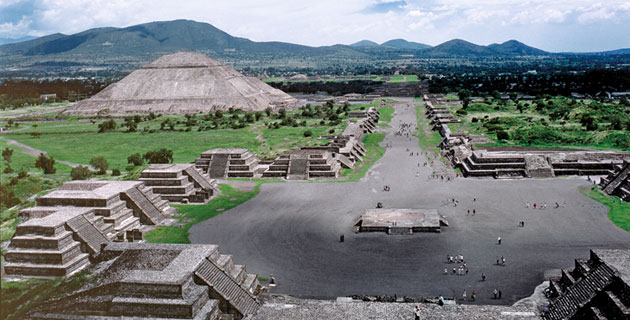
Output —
(464, 295)
(441, 301)
(495, 292)
(468, 212)
(474, 199)
(467, 270)
(500, 294)
(527, 205)
(502, 260)
(417, 313)
(474, 211)
(454, 270)
(499, 240)
(498, 260)
(534, 205)
(445, 271)
(483, 276)
(473, 295)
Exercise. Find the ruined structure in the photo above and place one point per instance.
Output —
(183, 82)
(222, 163)
(179, 183)
(617, 183)
(595, 289)
(400, 221)
(459, 149)
(149, 281)
(70, 224)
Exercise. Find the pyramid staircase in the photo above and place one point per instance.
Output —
(592, 290)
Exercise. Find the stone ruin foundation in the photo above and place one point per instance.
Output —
(400, 221)
(617, 183)
(151, 281)
(181, 183)
(69, 225)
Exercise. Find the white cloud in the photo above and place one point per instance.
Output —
(326, 22)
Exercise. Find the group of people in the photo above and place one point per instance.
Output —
(386, 188)
(542, 206)
(501, 261)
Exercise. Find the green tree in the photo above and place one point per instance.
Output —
(159, 156)
(308, 133)
(107, 126)
(100, 163)
(463, 94)
(80, 173)
(45, 163)
(7, 153)
(135, 159)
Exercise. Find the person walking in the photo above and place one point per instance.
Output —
(417, 313)
(499, 240)
(500, 294)
(495, 292)
(483, 276)
(473, 295)
(464, 295)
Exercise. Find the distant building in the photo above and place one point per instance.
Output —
(46, 97)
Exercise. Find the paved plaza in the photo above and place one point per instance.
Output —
(292, 230)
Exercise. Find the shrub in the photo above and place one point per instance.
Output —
(80, 173)
(308, 133)
(115, 172)
(502, 135)
(45, 163)
(135, 159)
(100, 163)
(107, 126)
(159, 156)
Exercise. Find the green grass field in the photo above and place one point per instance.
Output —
(190, 215)
(428, 142)
(374, 152)
(387, 113)
(619, 212)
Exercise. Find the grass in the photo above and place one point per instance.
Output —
(374, 152)
(619, 212)
(20, 297)
(387, 113)
(190, 215)
(409, 78)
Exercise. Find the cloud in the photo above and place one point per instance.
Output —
(385, 6)
(551, 25)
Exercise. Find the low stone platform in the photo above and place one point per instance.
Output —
(155, 281)
(179, 183)
(400, 221)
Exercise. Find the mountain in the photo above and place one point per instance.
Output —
(21, 39)
(404, 44)
(157, 37)
(458, 47)
(364, 43)
(513, 47)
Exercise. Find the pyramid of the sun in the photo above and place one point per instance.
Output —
(183, 82)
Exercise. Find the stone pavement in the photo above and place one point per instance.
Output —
(292, 230)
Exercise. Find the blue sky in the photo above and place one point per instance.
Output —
(562, 25)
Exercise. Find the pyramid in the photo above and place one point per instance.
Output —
(183, 82)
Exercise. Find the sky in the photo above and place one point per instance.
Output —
(556, 26)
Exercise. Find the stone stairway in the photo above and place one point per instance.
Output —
(218, 166)
(618, 179)
(91, 236)
(237, 291)
(298, 168)
(581, 292)
(146, 208)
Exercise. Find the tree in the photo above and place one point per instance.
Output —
(502, 135)
(615, 124)
(159, 156)
(463, 94)
(514, 97)
(131, 124)
(308, 133)
(135, 159)
(7, 153)
(268, 111)
(100, 163)
(519, 107)
(80, 173)
(10, 123)
(496, 95)
(45, 163)
(107, 126)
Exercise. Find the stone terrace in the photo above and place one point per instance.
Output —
(224, 163)
(70, 224)
(179, 183)
(595, 289)
(617, 183)
(149, 281)
(280, 307)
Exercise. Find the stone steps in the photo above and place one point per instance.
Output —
(56, 270)
(580, 293)
(43, 256)
(187, 307)
(57, 241)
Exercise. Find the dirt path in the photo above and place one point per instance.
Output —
(26, 149)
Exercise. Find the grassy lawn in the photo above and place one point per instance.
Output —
(374, 152)
(20, 297)
(619, 212)
(387, 113)
(190, 215)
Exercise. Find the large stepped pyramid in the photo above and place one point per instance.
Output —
(595, 289)
(71, 224)
(161, 281)
(183, 82)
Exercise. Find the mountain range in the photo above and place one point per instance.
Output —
(143, 42)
